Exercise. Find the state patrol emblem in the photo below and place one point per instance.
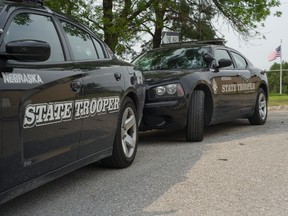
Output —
(214, 86)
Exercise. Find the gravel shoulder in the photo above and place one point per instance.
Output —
(277, 108)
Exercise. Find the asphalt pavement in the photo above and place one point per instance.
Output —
(238, 169)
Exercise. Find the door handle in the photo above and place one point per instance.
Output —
(117, 76)
(75, 86)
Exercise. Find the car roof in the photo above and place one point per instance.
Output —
(20, 3)
(218, 41)
(214, 43)
(194, 43)
(11, 5)
(31, 5)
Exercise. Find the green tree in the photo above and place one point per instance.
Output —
(73, 8)
(121, 23)
(274, 78)
(195, 22)
(116, 22)
(193, 18)
(245, 16)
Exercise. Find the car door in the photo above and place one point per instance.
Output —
(225, 88)
(247, 83)
(37, 100)
(103, 88)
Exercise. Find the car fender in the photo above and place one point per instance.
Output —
(200, 81)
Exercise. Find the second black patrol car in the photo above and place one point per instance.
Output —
(192, 85)
(65, 100)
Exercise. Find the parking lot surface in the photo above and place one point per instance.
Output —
(238, 169)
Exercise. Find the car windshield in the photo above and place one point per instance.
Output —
(173, 58)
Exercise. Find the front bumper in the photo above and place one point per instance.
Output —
(166, 114)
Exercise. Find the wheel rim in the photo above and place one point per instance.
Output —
(128, 132)
(262, 106)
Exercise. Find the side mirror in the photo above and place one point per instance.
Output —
(224, 63)
(208, 58)
(27, 50)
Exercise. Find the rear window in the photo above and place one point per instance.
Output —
(173, 58)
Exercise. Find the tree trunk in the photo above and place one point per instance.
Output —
(160, 11)
(157, 37)
(110, 37)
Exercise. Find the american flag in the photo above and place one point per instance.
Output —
(275, 54)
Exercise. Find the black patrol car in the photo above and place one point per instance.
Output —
(65, 100)
(196, 84)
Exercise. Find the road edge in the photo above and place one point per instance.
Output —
(277, 108)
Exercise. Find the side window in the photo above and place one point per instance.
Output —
(99, 49)
(80, 41)
(223, 54)
(239, 60)
(35, 27)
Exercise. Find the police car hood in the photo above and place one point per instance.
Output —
(156, 76)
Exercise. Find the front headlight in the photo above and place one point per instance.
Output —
(171, 89)
(167, 91)
(160, 90)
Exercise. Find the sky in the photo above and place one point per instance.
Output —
(257, 50)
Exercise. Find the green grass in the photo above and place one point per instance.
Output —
(277, 99)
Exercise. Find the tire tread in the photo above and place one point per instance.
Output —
(195, 117)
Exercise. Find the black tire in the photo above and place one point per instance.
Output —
(195, 117)
(261, 111)
(126, 137)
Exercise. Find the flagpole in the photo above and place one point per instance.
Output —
(281, 68)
